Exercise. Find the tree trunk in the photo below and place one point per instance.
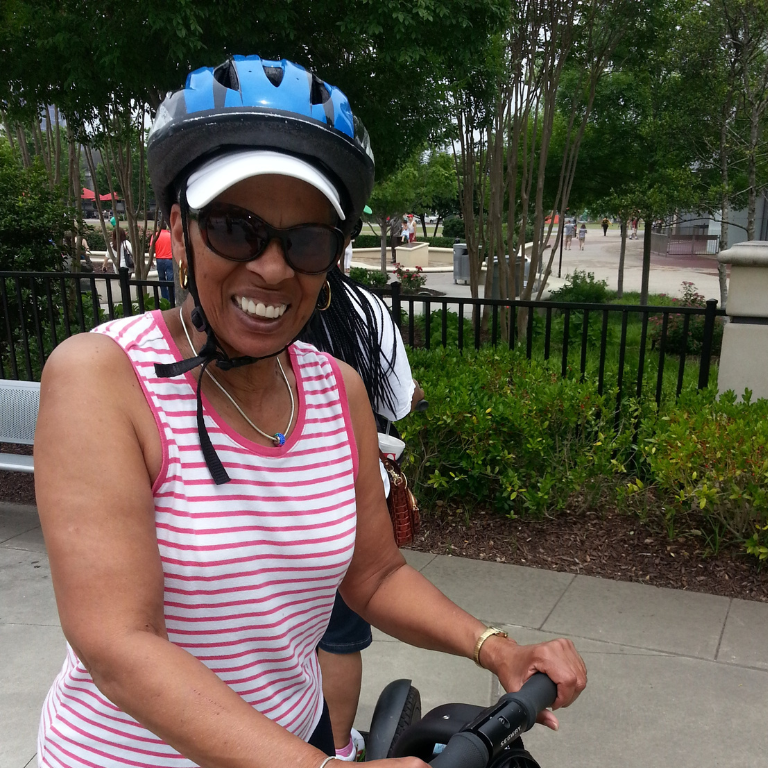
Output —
(622, 254)
(21, 138)
(57, 172)
(646, 259)
(754, 134)
(7, 129)
(383, 232)
(92, 170)
(722, 276)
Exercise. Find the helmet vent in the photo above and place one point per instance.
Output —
(274, 75)
(320, 94)
(226, 74)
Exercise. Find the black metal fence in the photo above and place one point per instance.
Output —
(589, 339)
(38, 310)
(622, 346)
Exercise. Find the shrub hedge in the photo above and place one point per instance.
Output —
(374, 241)
(508, 433)
(370, 278)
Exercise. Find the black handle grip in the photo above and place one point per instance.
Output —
(538, 693)
(421, 406)
(463, 750)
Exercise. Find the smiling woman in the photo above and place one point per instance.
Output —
(227, 482)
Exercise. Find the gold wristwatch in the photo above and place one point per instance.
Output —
(489, 632)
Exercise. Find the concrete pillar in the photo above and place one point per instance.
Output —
(744, 357)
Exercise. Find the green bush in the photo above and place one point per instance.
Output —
(677, 342)
(581, 287)
(708, 457)
(453, 227)
(367, 241)
(370, 278)
(411, 280)
(33, 218)
(439, 242)
(509, 432)
(374, 241)
(96, 239)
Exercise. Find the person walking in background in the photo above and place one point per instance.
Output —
(411, 228)
(582, 235)
(164, 260)
(605, 223)
(123, 252)
(570, 229)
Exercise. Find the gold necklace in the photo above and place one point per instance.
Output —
(279, 437)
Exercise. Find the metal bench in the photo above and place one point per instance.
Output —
(19, 403)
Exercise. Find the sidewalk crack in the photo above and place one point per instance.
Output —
(557, 602)
(722, 629)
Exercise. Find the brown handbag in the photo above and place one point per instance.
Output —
(403, 507)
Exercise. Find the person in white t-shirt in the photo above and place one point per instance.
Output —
(358, 329)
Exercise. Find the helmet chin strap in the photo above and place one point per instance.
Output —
(211, 352)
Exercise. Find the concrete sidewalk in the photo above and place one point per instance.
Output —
(676, 679)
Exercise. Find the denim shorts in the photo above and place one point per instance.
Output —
(347, 632)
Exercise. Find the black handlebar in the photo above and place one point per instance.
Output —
(538, 693)
(494, 728)
(464, 750)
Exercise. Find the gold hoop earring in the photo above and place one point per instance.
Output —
(327, 287)
(183, 278)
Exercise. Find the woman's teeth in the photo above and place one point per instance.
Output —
(269, 311)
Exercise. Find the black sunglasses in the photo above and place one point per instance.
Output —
(237, 234)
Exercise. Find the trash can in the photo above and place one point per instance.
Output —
(495, 291)
(460, 263)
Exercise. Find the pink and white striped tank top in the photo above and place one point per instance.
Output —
(251, 567)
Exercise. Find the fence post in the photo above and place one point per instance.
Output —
(125, 291)
(396, 303)
(706, 344)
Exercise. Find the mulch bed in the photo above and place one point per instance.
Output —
(613, 545)
(17, 487)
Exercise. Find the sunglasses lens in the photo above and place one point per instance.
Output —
(312, 250)
(234, 235)
(238, 235)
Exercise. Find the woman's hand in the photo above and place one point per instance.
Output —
(418, 395)
(513, 664)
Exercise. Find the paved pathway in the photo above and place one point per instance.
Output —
(676, 679)
(601, 257)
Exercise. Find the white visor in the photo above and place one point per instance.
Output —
(223, 172)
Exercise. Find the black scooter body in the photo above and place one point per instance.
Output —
(398, 730)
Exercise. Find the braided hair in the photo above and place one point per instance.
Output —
(349, 330)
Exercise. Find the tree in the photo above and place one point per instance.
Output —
(106, 67)
(435, 188)
(34, 222)
(392, 198)
(505, 111)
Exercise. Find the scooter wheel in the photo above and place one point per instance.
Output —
(411, 713)
(515, 757)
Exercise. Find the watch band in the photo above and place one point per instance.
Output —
(489, 632)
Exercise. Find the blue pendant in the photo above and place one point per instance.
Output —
(279, 438)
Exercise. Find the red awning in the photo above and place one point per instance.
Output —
(89, 194)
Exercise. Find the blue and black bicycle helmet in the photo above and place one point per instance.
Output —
(251, 103)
